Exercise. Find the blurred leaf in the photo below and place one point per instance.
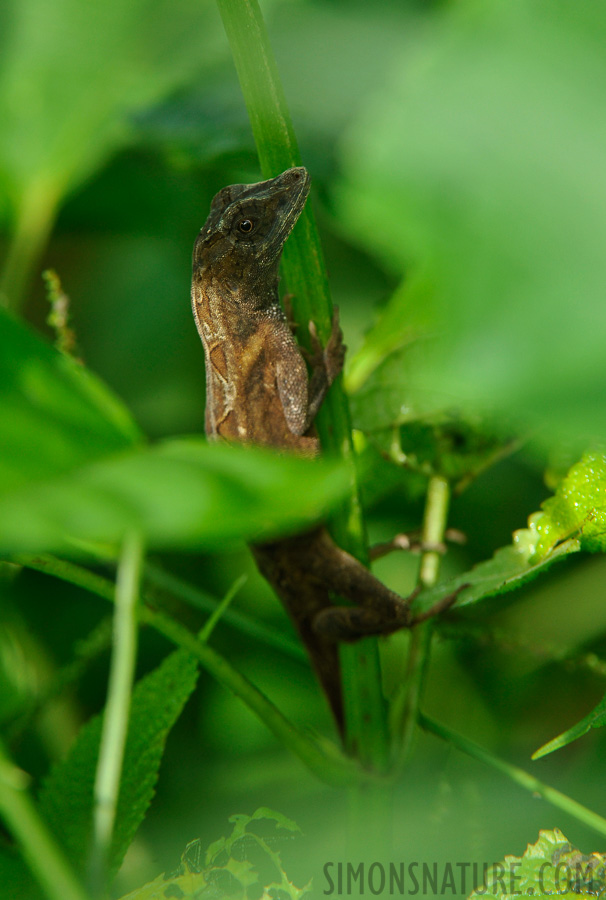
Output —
(482, 160)
(182, 493)
(56, 418)
(552, 866)
(578, 507)
(71, 73)
(54, 413)
(66, 800)
(595, 719)
(400, 323)
(70, 76)
(454, 447)
(411, 429)
(388, 396)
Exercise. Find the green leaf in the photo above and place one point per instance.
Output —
(66, 800)
(577, 509)
(510, 568)
(481, 162)
(573, 519)
(552, 866)
(182, 493)
(595, 719)
(71, 75)
(54, 413)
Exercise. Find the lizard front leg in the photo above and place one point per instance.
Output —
(326, 364)
(351, 623)
(377, 610)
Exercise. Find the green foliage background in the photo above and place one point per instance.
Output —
(458, 146)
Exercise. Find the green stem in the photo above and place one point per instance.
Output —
(519, 776)
(434, 526)
(306, 277)
(42, 854)
(33, 225)
(115, 719)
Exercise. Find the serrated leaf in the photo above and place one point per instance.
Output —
(577, 509)
(233, 866)
(510, 568)
(66, 799)
(551, 867)
(181, 493)
(54, 413)
(595, 719)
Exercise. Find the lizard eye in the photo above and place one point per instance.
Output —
(246, 226)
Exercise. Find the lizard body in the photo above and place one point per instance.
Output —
(258, 392)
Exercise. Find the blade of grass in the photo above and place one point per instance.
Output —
(216, 614)
(305, 274)
(41, 853)
(519, 776)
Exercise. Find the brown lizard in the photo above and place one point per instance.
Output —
(258, 392)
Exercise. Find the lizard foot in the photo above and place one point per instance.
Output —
(351, 623)
(439, 607)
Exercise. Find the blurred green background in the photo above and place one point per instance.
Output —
(462, 142)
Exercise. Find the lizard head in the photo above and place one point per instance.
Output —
(241, 242)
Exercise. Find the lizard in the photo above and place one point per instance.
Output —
(258, 392)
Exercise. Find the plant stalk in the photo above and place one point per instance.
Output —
(432, 534)
(115, 719)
